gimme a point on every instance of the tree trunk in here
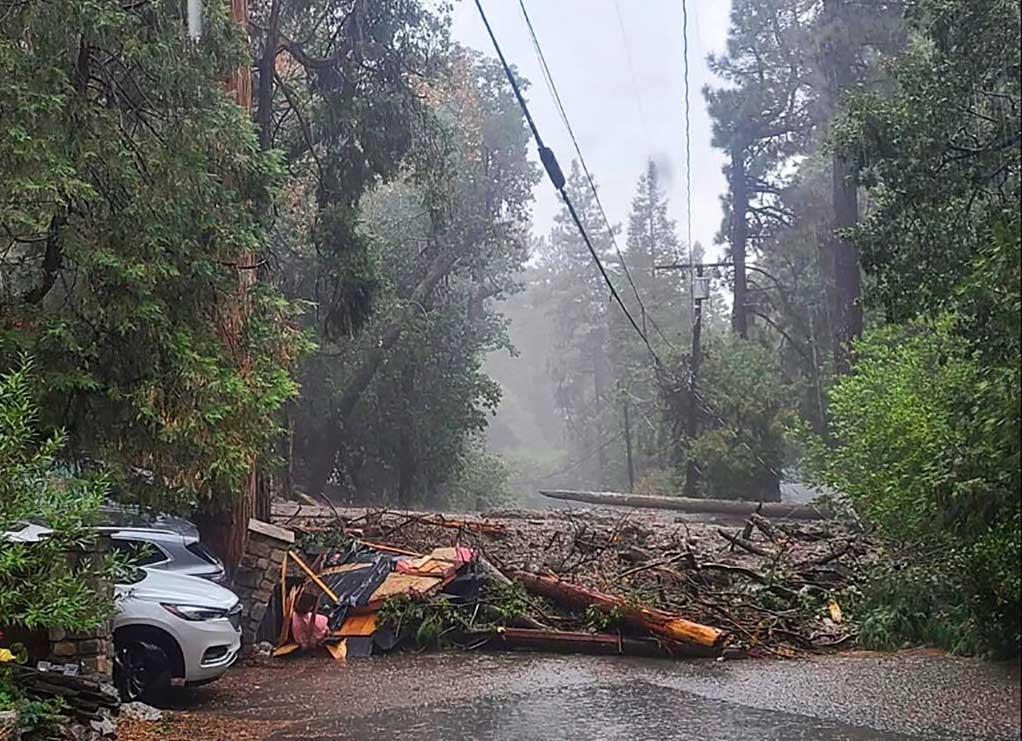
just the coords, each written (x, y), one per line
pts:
(224, 525)
(628, 447)
(664, 624)
(732, 507)
(739, 239)
(601, 455)
(846, 286)
(328, 438)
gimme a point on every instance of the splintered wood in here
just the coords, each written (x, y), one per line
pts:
(752, 585)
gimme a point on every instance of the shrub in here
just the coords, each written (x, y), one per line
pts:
(926, 445)
(742, 443)
(40, 587)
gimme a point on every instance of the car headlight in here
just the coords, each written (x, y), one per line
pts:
(194, 612)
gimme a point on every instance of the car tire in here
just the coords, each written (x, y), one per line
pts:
(142, 672)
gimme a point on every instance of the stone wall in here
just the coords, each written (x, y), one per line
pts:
(259, 574)
(92, 650)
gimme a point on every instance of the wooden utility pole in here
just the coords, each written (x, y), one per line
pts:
(692, 424)
(692, 408)
(628, 447)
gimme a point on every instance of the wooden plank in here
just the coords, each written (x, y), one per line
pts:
(397, 583)
(286, 649)
(271, 531)
(315, 578)
(338, 650)
(358, 625)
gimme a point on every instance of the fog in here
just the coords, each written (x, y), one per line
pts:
(619, 69)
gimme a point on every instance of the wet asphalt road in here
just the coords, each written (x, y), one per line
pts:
(441, 697)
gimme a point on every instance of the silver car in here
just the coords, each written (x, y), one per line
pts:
(168, 550)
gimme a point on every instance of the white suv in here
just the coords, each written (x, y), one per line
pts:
(171, 629)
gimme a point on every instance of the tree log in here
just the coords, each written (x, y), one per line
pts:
(672, 627)
(497, 576)
(737, 508)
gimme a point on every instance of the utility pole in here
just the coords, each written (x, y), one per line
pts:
(628, 446)
(692, 425)
(700, 292)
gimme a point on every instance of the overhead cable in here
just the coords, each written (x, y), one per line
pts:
(552, 86)
(553, 170)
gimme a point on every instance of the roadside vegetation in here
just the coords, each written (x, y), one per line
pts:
(334, 292)
(43, 584)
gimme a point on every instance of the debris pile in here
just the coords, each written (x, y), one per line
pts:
(593, 581)
(89, 703)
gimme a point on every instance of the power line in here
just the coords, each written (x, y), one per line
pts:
(688, 154)
(636, 89)
(552, 87)
(553, 170)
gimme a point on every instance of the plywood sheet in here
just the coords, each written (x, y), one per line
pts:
(358, 625)
(396, 583)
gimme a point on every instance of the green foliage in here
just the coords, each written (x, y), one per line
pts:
(435, 622)
(912, 605)
(601, 619)
(448, 250)
(128, 184)
(41, 584)
(743, 442)
(938, 148)
(659, 482)
(928, 448)
(481, 480)
(33, 715)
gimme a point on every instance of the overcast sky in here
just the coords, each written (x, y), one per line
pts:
(618, 65)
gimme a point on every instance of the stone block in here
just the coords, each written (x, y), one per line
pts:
(93, 647)
(247, 579)
(259, 547)
(64, 648)
(263, 563)
(97, 665)
(277, 555)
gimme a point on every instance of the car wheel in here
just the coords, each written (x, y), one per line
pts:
(141, 672)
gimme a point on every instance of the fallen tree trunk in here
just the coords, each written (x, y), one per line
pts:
(684, 632)
(497, 576)
(737, 508)
(560, 641)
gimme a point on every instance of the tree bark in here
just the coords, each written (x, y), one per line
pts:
(846, 287)
(224, 525)
(739, 239)
(628, 447)
(692, 636)
(736, 508)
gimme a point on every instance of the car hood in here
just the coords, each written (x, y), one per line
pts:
(178, 589)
